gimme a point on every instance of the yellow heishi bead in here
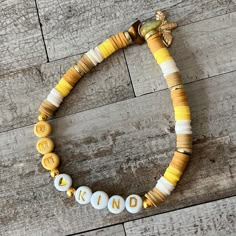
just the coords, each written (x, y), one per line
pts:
(42, 129)
(162, 55)
(54, 173)
(44, 145)
(146, 203)
(70, 192)
(50, 161)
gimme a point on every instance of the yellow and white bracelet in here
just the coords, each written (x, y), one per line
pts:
(157, 34)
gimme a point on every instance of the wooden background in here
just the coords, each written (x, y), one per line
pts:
(116, 130)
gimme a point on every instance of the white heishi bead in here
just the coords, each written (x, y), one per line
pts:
(183, 127)
(99, 200)
(133, 203)
(165, 186)
(116, 204)
(83, 195)
(90, 55)
(168, 67)
(98, 54)
(65, 185)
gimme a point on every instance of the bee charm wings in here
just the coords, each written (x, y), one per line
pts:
(165, 28)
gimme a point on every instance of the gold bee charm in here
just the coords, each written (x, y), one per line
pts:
(160, 25)
(165, 28)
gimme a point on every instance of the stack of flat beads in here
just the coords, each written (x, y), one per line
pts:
(99, 199)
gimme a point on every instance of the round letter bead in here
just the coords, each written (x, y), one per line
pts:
(99, 200)
(44, 145)
(42, 129)
(62, 182)
(116, 204)
(133, 203)
(83, 195)
(50, 161)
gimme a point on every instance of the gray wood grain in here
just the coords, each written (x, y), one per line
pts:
(120, 148)
(21, 43)
(116, 230)
(23, 91)
(72, 27)
(211, 219)
(201, 50)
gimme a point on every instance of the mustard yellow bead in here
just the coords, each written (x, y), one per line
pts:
(50, 161)
(45, 145)
(42, 129)
(54, 173)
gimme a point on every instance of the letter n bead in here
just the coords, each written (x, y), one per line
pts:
(116, 204)
(133, 203)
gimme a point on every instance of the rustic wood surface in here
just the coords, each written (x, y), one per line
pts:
(21, 42)
(108, 136)
(214, 218)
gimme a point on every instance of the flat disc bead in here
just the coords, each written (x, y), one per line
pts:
(42, 129)
(133, 203)
(116, 204)
(62, 182)
(99, 200)
(83, 195)
(45, 145)
(50, 161)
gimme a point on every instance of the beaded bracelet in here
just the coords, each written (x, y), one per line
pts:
(157, 34)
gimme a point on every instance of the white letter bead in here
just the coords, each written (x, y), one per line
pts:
(83, 195)
(99, 200)
(62, 182)
(133, 203)
(116, 204)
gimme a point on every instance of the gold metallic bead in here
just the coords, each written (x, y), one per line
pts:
(146, 203)
(179, 86)
(128, 37)
(150, 33)
(78, 70)
(134, 33)
(54, 173)
(184, 150)
(42, 117)
(70, 192)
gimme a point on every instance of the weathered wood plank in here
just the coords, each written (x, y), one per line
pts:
(116, 230)
(215, 218)
(72, 27)
(201, 50)
(22, 92)
(121, 148)
(21, 43)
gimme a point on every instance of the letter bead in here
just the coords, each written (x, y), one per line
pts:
(62, 182)
(42, 129)
(44, 145)
(116, 204)
(133, 203)
(83, 195)
(50, 161)
(99, 200)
